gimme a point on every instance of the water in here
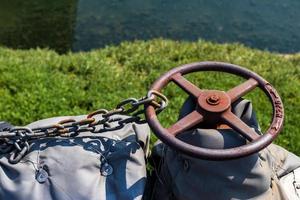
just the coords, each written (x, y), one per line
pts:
(82, 25)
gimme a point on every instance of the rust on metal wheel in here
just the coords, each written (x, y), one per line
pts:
(216, 106)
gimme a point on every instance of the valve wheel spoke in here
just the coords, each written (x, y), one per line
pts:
(238, 125)
(186, 123)
(242, 89)
(186, 85)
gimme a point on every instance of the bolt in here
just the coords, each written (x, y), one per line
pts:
(213, 99)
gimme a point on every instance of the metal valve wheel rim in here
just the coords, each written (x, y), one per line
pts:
(218, 154)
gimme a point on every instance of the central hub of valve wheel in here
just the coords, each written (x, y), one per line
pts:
(214, 101)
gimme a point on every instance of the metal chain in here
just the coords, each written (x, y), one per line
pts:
(17, 141)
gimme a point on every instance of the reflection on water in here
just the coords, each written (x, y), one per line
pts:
(32, 23)
(87, 24)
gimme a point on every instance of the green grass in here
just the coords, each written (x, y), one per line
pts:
(38, 84)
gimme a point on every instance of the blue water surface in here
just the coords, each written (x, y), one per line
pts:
(82, 25)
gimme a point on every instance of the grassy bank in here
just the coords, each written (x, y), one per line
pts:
(37, 84)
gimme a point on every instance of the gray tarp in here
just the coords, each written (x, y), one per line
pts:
(254, 177)
(73, 166)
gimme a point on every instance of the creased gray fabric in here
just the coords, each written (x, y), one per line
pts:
(73, 166)
(253, 177)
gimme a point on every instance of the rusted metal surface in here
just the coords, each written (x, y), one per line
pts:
(215, 107)
(240, 90)
(187, 122)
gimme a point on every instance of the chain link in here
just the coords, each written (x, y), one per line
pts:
(17, 140)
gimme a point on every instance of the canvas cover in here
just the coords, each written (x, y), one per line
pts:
(92, 166)
(111, 165)
(181, 177)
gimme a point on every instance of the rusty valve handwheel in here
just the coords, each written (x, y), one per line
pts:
(214, 105)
